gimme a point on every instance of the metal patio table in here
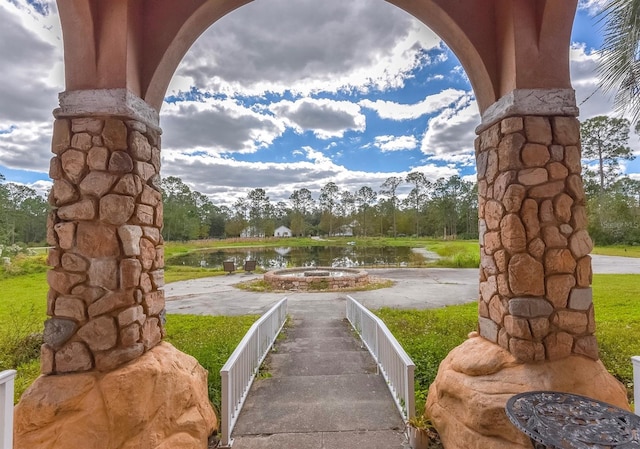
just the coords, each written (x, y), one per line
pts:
(556, 420)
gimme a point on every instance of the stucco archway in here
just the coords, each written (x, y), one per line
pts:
(106, 300)
(138, 45)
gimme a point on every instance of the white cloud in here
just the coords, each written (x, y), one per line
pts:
(225, 180)
(26, 146)
(453, 130)
(461, 159)
(395, 143)
(593, 7)
(325, 118)
(41, 187)
(431, 104)
(307, 46)
(317, 157)
(591, 100)
(217, 126)
(32, 76)
(265, 49)
(31, 68)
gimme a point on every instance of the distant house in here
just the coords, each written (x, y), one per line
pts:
(282, 231)
(251, 231)
(344, 231)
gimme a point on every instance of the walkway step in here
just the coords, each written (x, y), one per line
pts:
(321, 364)
(372, 439)
(323, 391)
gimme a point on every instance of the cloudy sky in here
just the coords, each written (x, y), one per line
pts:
(350, 92)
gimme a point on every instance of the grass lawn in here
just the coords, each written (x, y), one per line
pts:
(23, 307)
(211, 340)
(617, 307)
(426, 335)
(617, 250)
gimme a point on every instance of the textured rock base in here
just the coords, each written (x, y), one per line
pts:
(158, 401)
(466, 402)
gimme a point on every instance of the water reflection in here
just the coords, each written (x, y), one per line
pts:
(308, 256)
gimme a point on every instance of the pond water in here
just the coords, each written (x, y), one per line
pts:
(308, 256)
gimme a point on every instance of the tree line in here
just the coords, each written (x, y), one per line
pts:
(23, 214)
(613, 199)
(446, 207)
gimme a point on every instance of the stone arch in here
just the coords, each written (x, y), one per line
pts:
(138, 45)
(535, 309)
(528, 145)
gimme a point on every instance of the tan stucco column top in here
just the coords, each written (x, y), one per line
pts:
(521, 102)
(119, 102)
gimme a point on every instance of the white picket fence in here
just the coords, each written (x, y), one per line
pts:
(6, 408)
(243, 365)
(394, 363)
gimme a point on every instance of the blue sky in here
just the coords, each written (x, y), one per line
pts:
(349, 92)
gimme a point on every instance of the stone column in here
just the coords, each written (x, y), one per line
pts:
(105, 302)
(535, 271)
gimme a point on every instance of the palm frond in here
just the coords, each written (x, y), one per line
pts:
(619, 67)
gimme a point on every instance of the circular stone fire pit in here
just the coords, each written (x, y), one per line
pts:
(318, 278)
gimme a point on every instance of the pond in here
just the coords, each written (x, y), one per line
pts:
(306, 256)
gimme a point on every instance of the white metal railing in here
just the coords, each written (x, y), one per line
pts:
(6, 408)
(635, 360)
(242, 366)
(394, 363)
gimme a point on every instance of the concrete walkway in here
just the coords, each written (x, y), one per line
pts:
(323, 392)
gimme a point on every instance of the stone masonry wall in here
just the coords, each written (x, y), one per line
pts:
(535, 300)
(105, 302)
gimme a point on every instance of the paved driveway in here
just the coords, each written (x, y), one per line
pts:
(414, 288)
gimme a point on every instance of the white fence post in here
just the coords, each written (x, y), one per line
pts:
(6, 408)
(636, 383)
(241, 368)
(392, 361)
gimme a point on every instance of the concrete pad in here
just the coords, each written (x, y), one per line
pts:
(615, 264)
(379, 439)
(280, 441)
(365, 440)
(318, 404)
(322, 381)
(321, 364)
(326, 344)
(414, 288)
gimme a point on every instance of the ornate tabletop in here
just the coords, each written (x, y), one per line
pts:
(556, 420)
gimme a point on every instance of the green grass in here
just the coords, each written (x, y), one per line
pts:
(23, 307)
(428, 336)
(618, 250)
(456, 253)
(174, 273)
(23, 312)
(617, 312)
(261, 286)
(211, 340)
